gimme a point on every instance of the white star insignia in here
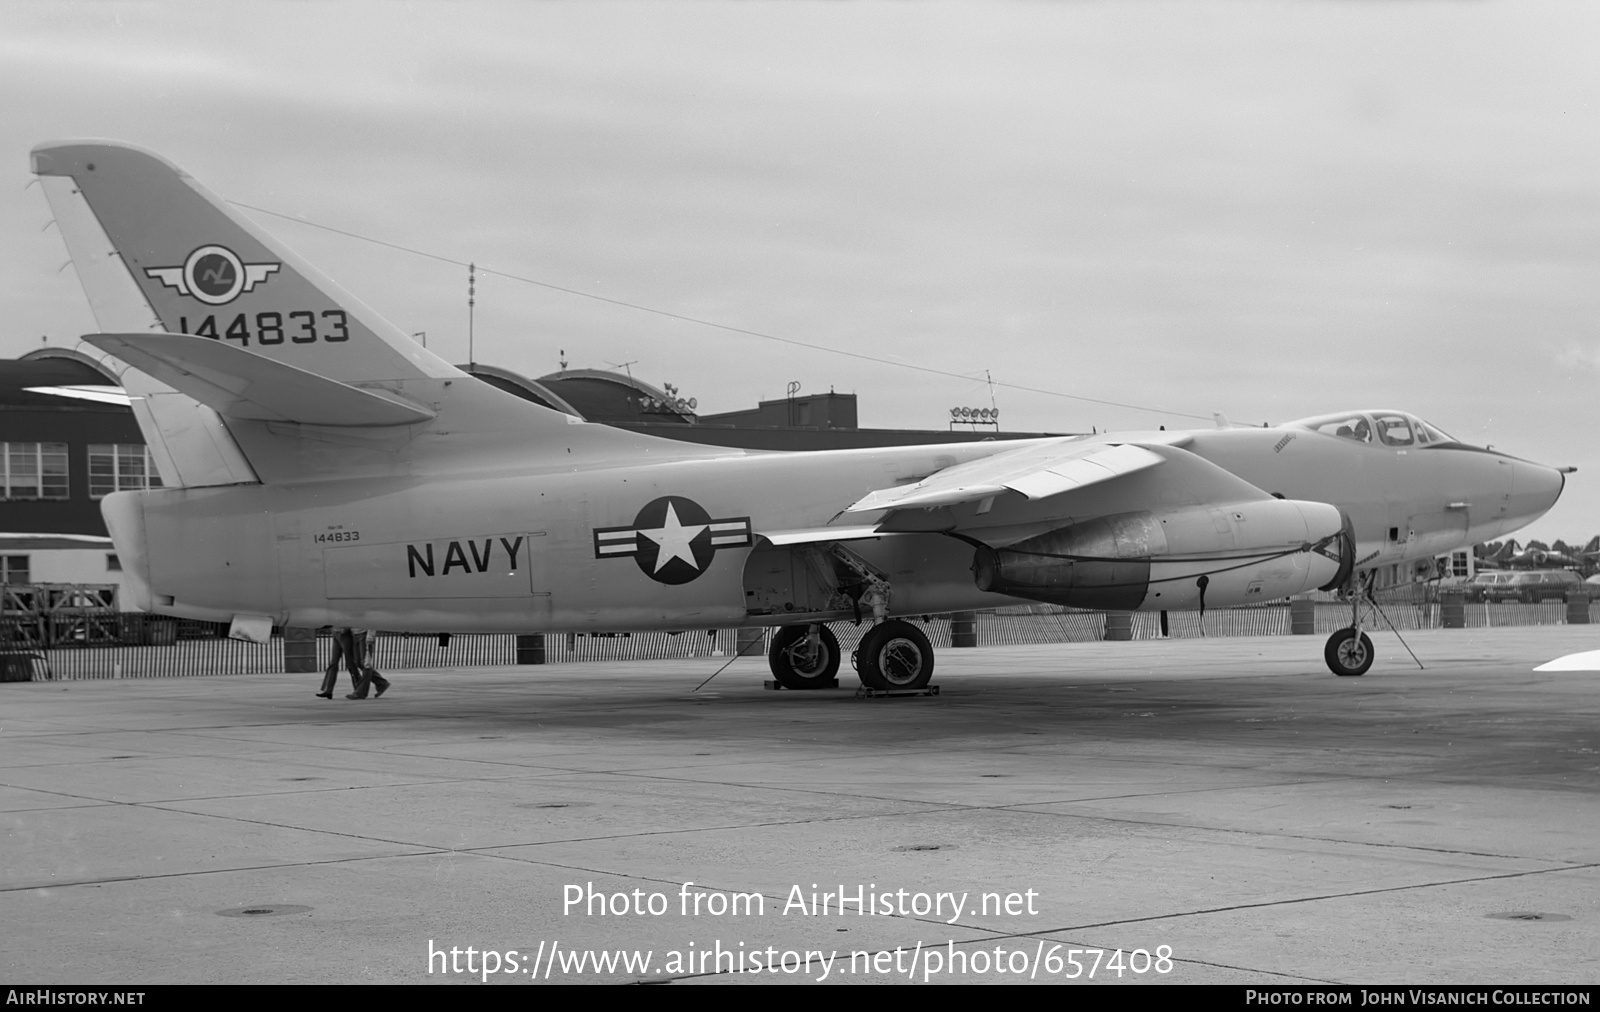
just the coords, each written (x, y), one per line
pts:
(673, 540)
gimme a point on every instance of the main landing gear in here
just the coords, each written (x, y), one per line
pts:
(804, 657)
(892, 655)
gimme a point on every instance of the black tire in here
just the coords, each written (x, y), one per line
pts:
(1348, 653)
(795, 666)
(894, 655)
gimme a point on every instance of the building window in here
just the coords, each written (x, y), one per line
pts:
(14, 569)
(113, 564)
(34, 470)
(120, 467)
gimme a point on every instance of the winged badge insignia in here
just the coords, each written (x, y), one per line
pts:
(213, 274)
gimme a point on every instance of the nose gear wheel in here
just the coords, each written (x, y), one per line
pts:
(1349, 652)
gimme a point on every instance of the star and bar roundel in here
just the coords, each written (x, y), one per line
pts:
(673, 539)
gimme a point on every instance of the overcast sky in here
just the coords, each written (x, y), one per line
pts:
(1270, 210)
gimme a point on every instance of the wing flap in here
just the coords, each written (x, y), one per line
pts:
(814, 535)
(237, 384)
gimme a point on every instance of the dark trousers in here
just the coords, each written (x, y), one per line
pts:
(369, 677)
(346, 648)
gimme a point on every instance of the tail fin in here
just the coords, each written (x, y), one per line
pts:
(296, 380)
(190, 444)
(205, 270)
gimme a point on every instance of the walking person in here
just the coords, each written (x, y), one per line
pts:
(343, 648)
(365, 641)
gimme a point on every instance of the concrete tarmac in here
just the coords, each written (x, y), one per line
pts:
(1227, 802)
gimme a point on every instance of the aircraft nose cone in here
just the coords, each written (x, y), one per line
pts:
(1534, 490)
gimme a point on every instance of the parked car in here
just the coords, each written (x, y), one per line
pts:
(1480, 584)
(1535, 585)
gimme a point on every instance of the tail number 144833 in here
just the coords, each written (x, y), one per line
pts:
(301, 326)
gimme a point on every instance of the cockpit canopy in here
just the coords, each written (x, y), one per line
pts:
(1381, 428)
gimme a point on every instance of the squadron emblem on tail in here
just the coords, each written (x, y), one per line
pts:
(213, 274)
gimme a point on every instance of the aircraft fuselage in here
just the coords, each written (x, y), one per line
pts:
(669, 545)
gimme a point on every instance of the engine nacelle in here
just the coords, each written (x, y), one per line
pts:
(1193, 557)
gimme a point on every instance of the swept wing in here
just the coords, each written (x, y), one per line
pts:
(1037, 472)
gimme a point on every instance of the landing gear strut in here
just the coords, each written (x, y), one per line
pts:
(1349, 651)
(894, 655)
(804, 657)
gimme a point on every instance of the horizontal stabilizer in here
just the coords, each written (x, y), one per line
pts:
(238, 384)
(1036, 471)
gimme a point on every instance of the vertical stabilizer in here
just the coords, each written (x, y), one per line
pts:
(206, 270)
(190, 444)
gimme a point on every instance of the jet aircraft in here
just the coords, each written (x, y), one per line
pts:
(326, 469)
(1511, 557)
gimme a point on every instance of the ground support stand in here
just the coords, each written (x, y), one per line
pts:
(866, 693)
(832, 683)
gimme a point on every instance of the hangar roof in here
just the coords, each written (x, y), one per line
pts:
(519, 385)
(602, 396)
(592, 394)
(23, 379)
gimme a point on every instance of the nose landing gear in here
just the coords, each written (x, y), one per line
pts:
(1349, 651)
